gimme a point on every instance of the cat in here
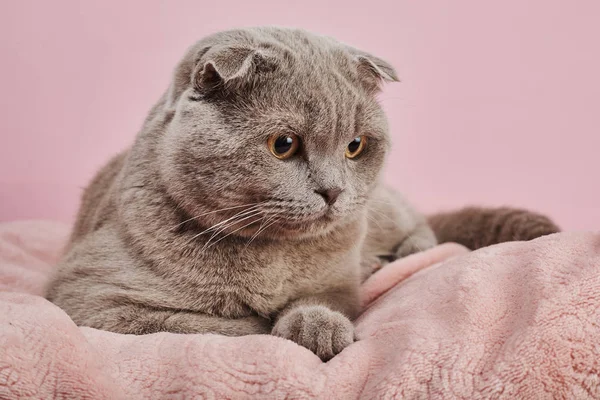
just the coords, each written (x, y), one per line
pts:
(251, 201)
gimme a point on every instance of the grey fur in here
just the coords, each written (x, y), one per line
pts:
(143, 257)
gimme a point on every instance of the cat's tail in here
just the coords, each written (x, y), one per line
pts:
(476, 227)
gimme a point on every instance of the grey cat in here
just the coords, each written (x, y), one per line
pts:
(251, 201)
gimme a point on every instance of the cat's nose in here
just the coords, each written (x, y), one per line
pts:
(329, 195)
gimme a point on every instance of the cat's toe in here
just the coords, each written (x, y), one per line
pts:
(321, 330)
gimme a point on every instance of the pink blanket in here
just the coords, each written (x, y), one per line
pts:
(518, 320)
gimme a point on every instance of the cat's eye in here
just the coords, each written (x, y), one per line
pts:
(356, 146)
(283, 146)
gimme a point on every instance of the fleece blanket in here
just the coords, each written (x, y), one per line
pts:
(513, 321)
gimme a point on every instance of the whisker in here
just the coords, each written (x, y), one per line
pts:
(370, 218)
(212, 212)
(231, 233)
(382, 214)
(223, 228)
(239, 214)
(264, 219)
(415, 243)
(270, 221)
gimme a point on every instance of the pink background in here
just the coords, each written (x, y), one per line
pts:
(499, 104)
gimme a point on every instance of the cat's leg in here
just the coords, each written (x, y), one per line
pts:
(139, 320)
(395, 228)
(321, 323)
(419, 239)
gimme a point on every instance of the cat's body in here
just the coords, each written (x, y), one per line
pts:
(105, 283)
(298, 234)
(251, 201)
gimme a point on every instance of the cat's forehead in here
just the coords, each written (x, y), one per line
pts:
(324, 107)
(308, 83)
(316, 114)
(316, 89)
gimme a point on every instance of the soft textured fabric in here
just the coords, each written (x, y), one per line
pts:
(517, 320)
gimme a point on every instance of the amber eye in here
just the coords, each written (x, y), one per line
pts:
(356, 146)
(283, 146)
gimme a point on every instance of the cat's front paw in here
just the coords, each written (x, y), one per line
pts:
(421, 240)
(319, 329)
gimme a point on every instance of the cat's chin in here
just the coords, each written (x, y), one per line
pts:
(304, 229)
(300, 233)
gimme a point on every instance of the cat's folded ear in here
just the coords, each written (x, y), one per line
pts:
(373, 71)
(212, 69)
(230, 68)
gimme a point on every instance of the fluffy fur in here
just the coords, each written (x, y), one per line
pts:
(199, 228)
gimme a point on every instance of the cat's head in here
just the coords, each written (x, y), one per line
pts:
(279, 127)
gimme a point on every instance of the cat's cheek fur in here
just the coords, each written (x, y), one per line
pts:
(323, 331)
